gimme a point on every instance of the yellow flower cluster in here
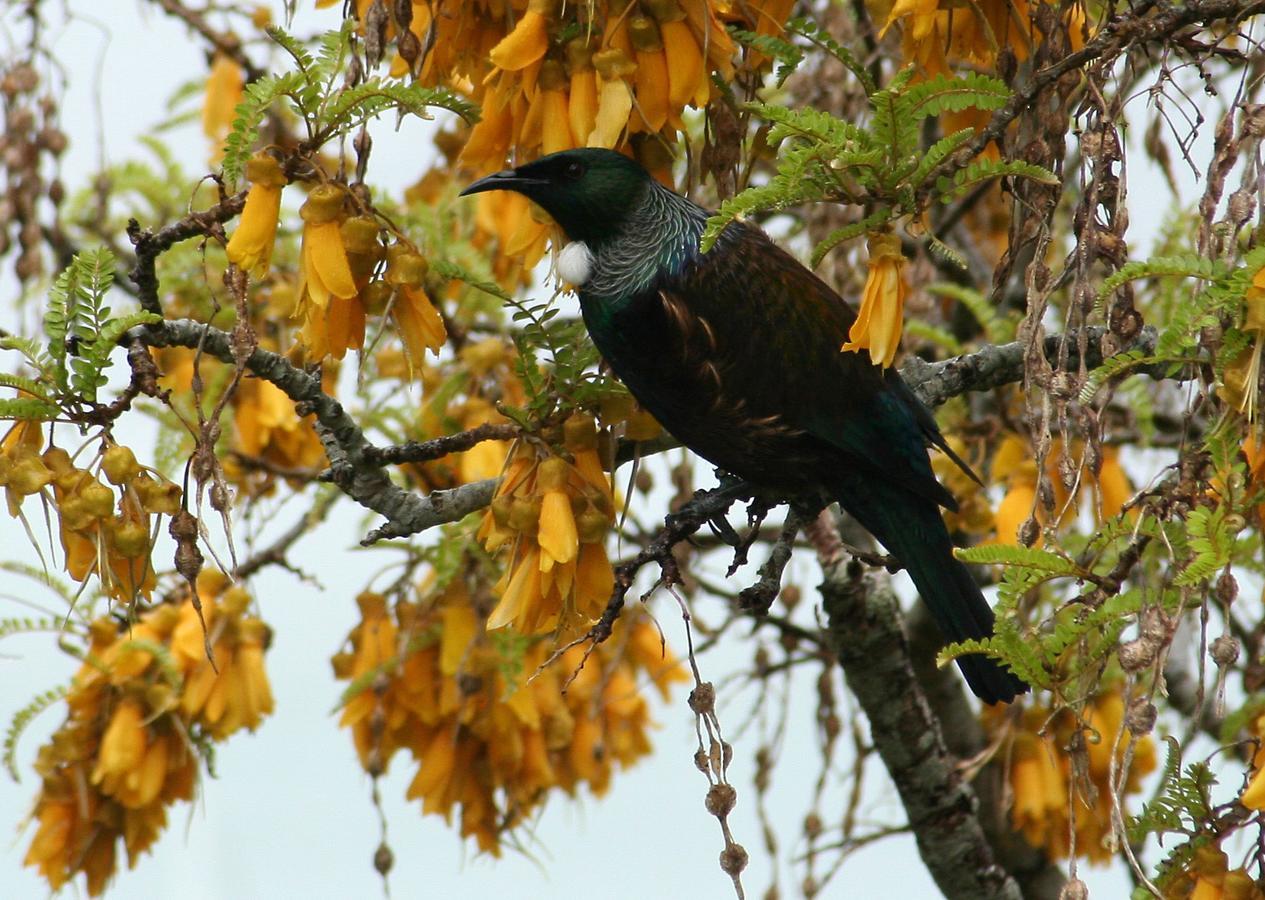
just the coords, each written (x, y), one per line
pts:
(1013, 465)
(624, 69)
(1034, 749)
(341, 276)
(879, 323)
(1209, 877)
(550, 76)
(234, 693)
(485, 371)
(251, 245)
(553, 514)
(267, 429)
(491, 735)
(101, 534)
(138, 708)
(937, 33)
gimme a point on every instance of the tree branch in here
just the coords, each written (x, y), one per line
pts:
(149, 246)
(1037, 876)
(1129, 30)
(344, 442)
(864, 630)
(275, 553)
(1001, 364)
(436, 448)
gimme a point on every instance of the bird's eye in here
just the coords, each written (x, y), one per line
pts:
(574, 170)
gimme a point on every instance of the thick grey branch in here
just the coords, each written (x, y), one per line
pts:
(864, 630)
(1000, 364)
(345, 444)
(1038, 877)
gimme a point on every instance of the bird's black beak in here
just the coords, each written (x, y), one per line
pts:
(506, 180)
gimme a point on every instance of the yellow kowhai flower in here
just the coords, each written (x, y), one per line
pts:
(22, 469)
(342, 325)
(520, 233)
(324, 270)
(529, 40)
(1042, 778)
(223, 93)
(250, 247)
(489, 142)
(621, 411)
(614, 96)
(420, 325)
(878, 325)
(688, 81)
(127, 548)
(490, 730)
(653, 90)
(1254, 453)
(582, 92)
(486, 459)
(552, 109)
(1254, 794)
(554, 514)
(234, 693)
(771, 15)
(122, 747)
(375, 641)
(266, 428)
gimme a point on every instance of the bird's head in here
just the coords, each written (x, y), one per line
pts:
(589, 192)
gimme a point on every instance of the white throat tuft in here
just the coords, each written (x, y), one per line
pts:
(575, 263)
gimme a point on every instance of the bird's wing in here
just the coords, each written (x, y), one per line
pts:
(781, 329)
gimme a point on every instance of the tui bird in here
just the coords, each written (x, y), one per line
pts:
(737, 353)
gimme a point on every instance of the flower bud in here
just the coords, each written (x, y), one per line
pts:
(552, 474)
(98, 499)
(119, 464)
(57, 461)
(524, 515)
(323, 204)
(29, 476)
(579, 432)
(129, 539)
(375, 297)
(405, 267)
(360, 235)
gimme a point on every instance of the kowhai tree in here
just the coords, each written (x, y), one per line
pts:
(302, 331)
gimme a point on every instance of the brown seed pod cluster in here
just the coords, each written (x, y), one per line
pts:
(30, 147)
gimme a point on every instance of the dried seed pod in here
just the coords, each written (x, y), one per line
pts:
(1224, 651)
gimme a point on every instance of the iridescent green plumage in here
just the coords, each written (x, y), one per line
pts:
(737, 354)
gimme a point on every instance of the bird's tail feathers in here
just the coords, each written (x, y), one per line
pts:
(915, 534)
